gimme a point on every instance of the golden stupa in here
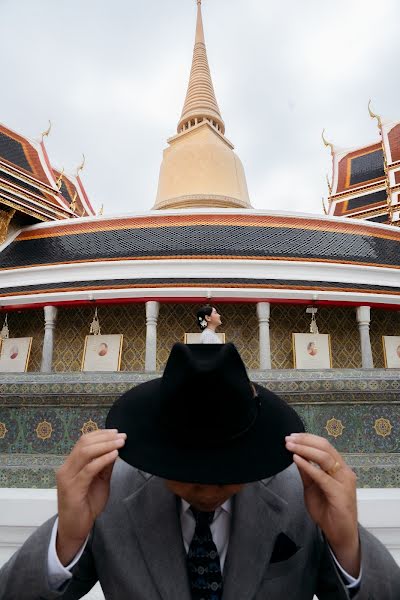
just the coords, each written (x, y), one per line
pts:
(199, 167)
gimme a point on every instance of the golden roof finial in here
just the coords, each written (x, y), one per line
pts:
(72, 205)
(46, 133)
(373, 115)
(326, 143)
(80, 168)
(59, 180)
(101, 210)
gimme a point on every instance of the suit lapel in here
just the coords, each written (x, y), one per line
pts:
(155, 521)
(259, 515)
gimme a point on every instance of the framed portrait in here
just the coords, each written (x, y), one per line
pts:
(102, 353)
(14, 355)
(195, 338)
(312, 351)
(391, 351)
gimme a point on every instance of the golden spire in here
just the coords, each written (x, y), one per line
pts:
(200, 103)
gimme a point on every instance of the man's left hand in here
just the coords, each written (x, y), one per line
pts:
(330, 495)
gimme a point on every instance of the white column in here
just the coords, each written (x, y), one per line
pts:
(152, 309)
(263, 312)
(363, 320)
(50, 315)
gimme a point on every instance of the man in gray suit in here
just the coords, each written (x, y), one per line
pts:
(224, 514)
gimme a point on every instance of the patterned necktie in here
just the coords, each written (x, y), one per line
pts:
(203, 560)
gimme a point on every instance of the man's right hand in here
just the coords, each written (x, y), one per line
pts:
(83, 486)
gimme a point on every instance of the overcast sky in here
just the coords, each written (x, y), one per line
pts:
(112, 77)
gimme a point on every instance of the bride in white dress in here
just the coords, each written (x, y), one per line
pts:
(208, 320)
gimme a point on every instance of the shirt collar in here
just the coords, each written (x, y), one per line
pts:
(226, 506)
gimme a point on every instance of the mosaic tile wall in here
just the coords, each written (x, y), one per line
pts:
(41, 417)
(239, 324)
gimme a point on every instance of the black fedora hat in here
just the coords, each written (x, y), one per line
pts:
(203, 421)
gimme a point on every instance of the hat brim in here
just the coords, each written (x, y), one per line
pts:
(258, 454)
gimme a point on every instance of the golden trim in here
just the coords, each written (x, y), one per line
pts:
(84, 352)
(383, 427)
(384, 351)
(3, 430)
(44, 430)
(28, 354)
(89, 426)
(120, 351)
(5, 220)
(334, 427)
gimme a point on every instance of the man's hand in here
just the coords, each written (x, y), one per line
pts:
(330, 495)
(83, 485)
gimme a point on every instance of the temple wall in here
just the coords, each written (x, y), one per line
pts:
(383, 322)
(73, 325)
(239, 322)
(240, 325)
(29, 323)
(339, 322)
(43, 414)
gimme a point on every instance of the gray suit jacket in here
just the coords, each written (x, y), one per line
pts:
(137, 553)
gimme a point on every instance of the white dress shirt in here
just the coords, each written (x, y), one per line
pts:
(220, 531)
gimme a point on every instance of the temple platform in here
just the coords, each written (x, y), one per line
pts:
(42, 416)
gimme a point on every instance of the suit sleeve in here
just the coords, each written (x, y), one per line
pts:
(380, 574)
(25, 577)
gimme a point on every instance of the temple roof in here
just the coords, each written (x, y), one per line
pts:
(233, 250)
(73, 192)
(28, 182)
(366, 180)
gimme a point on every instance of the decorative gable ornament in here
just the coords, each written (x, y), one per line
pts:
(313, 325)
(5, 332)
(95, 325)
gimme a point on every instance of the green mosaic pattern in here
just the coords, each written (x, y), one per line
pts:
(42, 416)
